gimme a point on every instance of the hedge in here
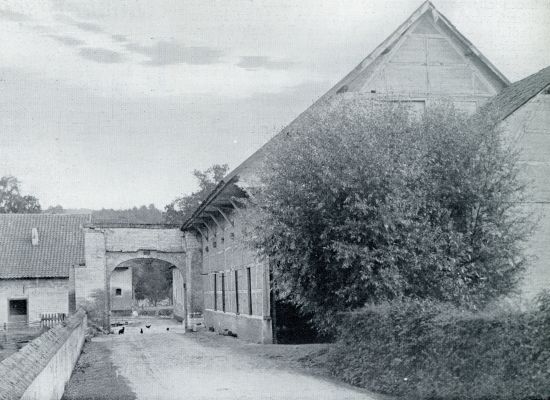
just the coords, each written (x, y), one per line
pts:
(425, 350)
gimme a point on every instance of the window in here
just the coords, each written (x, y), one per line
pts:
(249, 281)
(223, 292)
(118, 292)
(236, 291)
(416, 108)
(215, 292)
(17, 311)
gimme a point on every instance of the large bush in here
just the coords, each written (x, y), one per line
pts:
(425, 350)
(361, 202)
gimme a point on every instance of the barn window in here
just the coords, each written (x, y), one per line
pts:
(118, 292)
(223, 292)
(416, 108)
(249, 282)
(236, 291)
(215, 292)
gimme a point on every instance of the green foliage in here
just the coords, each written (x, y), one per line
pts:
(361, 202)
(96, 308)
(152, 280)
(11, 199)
(182, 207)
(426, 350)
(142, 215)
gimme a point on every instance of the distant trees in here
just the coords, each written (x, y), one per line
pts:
(142, 215)
(363, 203)
(152, 280)
(182, 207)
(58, 209)
(11, 199)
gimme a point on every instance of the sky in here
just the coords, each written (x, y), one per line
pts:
(113, 104)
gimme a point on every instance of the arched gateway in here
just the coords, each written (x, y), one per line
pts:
(108, 245)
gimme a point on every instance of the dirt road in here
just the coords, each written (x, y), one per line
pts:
(160, 364)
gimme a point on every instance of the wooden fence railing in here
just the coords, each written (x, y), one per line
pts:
(49, 320)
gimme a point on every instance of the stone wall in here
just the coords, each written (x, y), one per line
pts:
(529, 129)
(42, 295)
(178, 294)
(42, 368)
(105, 248)
(121, 279)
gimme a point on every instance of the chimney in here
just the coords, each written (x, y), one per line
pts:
(34, 236)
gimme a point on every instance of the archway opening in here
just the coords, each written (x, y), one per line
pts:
(145, 287)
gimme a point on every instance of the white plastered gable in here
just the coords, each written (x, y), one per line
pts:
(427, 58)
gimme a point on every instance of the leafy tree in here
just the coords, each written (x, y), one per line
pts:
(58, 209)
(182, 207)
(152, 281)
(142, 215)
(11, 199)
(95, 308)
(362, 202)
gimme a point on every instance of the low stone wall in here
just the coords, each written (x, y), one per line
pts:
(250, 328)
(42, 368)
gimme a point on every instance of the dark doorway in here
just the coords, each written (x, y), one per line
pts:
(18, 311)
(293, 327)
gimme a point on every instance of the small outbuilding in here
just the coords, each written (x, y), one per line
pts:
(38, 253)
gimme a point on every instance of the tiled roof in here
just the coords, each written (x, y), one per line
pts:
(518, 93)
(60, 245)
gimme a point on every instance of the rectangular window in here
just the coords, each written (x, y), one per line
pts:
(223, 292)
(118, 292)
(215, 292)
(236, 291)
(249, 282)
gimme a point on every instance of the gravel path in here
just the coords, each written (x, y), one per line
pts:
(160, 364)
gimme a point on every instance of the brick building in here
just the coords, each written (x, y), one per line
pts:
(425, 59)
(37, 255)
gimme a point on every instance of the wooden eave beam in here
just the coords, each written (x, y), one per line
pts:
(225, 216)
(208, 230)
(235, 206)
(201, 232)
(209, 213)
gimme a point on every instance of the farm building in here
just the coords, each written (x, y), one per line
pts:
(524, 110)
(37, 255)
(424, 60)
(122, 292)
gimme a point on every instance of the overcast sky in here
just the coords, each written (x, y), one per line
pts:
(114, 103)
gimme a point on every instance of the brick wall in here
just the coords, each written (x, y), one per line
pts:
(43, 296)
(235, 282)
(42, 368)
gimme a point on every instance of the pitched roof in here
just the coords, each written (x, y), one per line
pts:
(518, 93)
(60, 245)
(363, 69)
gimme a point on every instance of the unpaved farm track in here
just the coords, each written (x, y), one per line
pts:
(160, 364)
